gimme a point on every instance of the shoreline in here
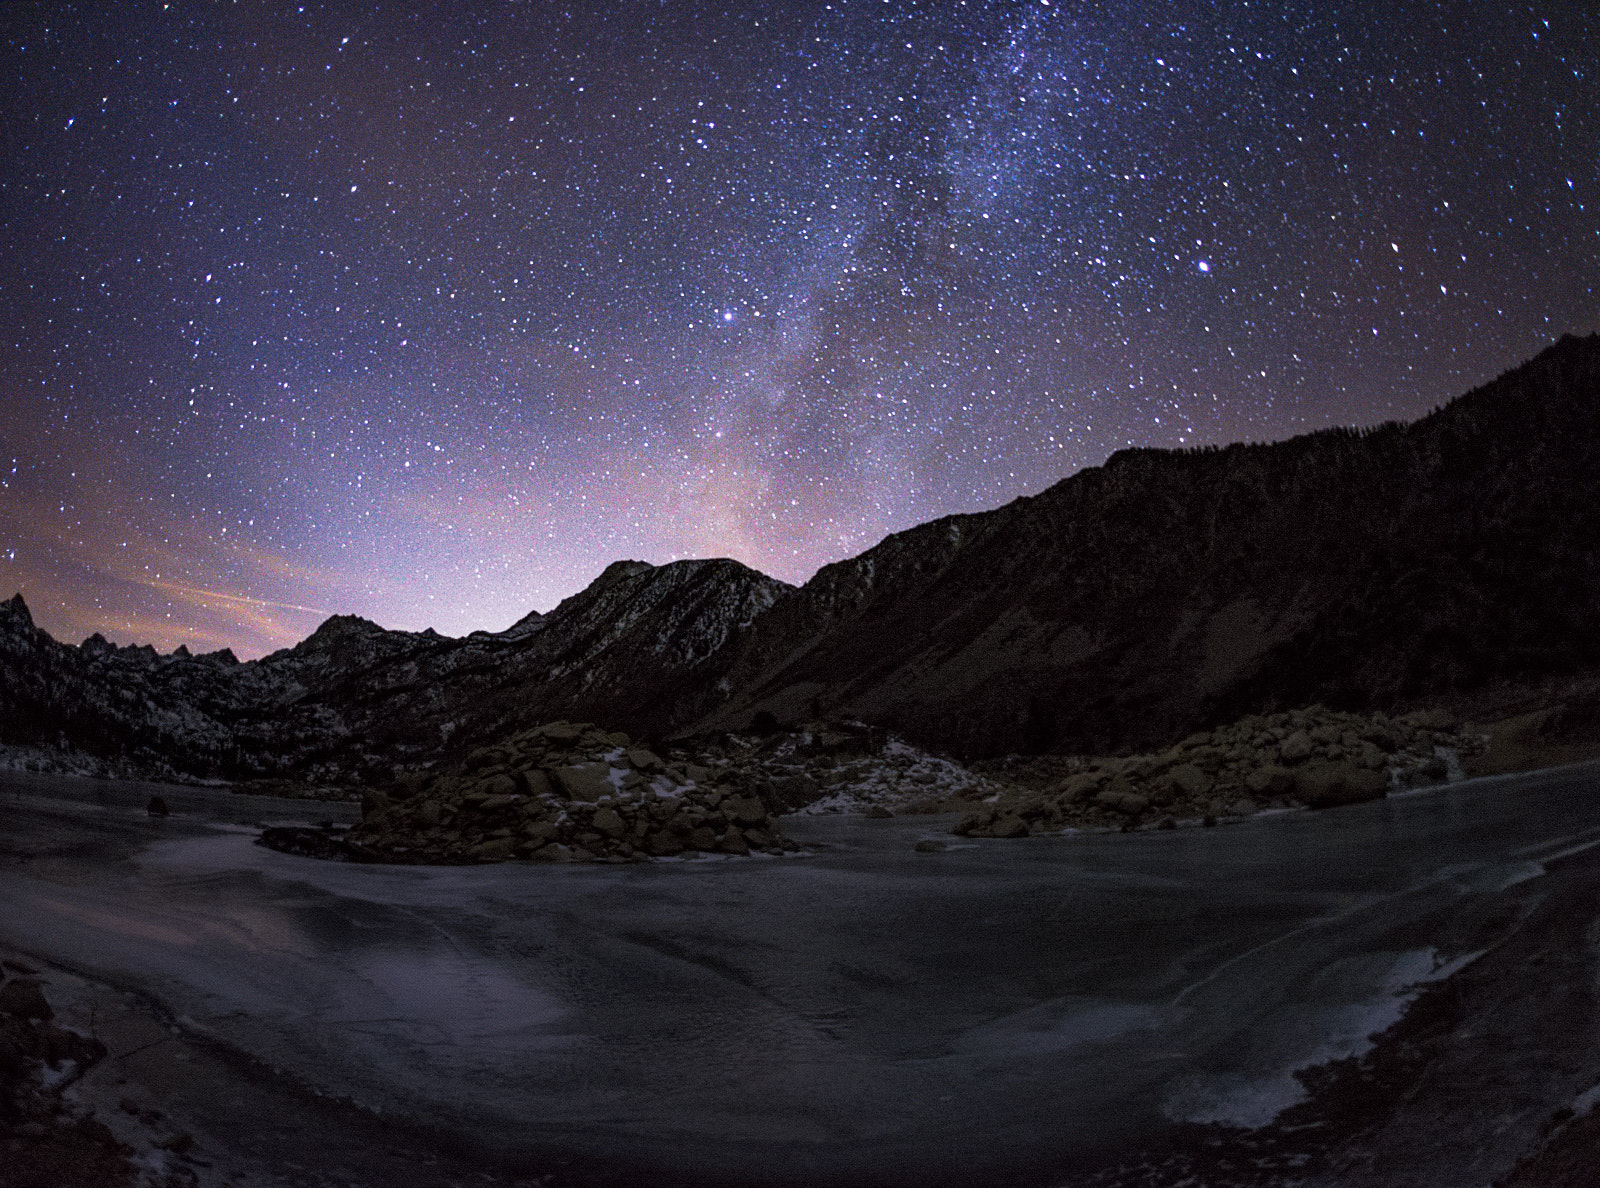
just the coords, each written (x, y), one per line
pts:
(168, 1094)
(1450, 1085)
(1487, 1059)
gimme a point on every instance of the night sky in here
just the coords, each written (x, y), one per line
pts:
(427, 312)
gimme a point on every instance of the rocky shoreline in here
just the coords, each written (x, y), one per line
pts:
(575, 792)
(1490, 1077)
(1306, 758)
(560, 792)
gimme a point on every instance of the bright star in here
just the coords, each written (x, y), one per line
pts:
(1204, 266)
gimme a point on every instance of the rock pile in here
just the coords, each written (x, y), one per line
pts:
(1315, 758)
(562, 792)
(846, 767)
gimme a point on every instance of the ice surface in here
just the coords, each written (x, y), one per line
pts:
(867, 1007)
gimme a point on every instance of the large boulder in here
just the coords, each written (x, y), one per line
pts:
(1189, 781)
(497, 849)
(1010, 825)
(1296, 748)
(584, 781)
(1131, 803)
(745, 810)
(609, 822)
(1270, 780)
(1325, 785)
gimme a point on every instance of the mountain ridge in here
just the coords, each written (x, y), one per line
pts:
(1272, 532)
(1126, 604)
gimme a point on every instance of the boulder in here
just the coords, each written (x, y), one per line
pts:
(498, 785)
(1189, 780)
(1082, 786)
(1131, 803)
(609, 822)
(795, 791)
(745, 810)
(1296, 748)
(535, 783)
(1120, 783)
(1009, 825)
(967, 824)
(584, 781)
(1270, 780)
(702, 838)
(663, 844)
(497, 849)
(1325, 785)
(644, 760)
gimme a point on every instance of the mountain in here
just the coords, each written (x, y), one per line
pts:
(1169, 590)
(354, 700)
(1126, 605)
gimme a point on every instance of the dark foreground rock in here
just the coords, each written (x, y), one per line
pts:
(44, 1143)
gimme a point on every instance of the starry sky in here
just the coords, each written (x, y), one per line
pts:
(428, 311)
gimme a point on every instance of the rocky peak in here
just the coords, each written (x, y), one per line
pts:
(523, 627)
(618, 570)
(17, 610)
(341, 626)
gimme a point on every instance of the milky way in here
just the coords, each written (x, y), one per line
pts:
(427, 312)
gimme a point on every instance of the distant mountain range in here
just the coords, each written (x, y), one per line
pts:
(1124, 606)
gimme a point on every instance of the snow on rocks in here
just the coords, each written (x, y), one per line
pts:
(565, 791)
(1311, 758)
(560, 792)
(849, 767)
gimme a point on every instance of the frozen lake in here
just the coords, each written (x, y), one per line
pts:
(1002, 1011)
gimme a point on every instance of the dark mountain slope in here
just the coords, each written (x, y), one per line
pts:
(1167, 589)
